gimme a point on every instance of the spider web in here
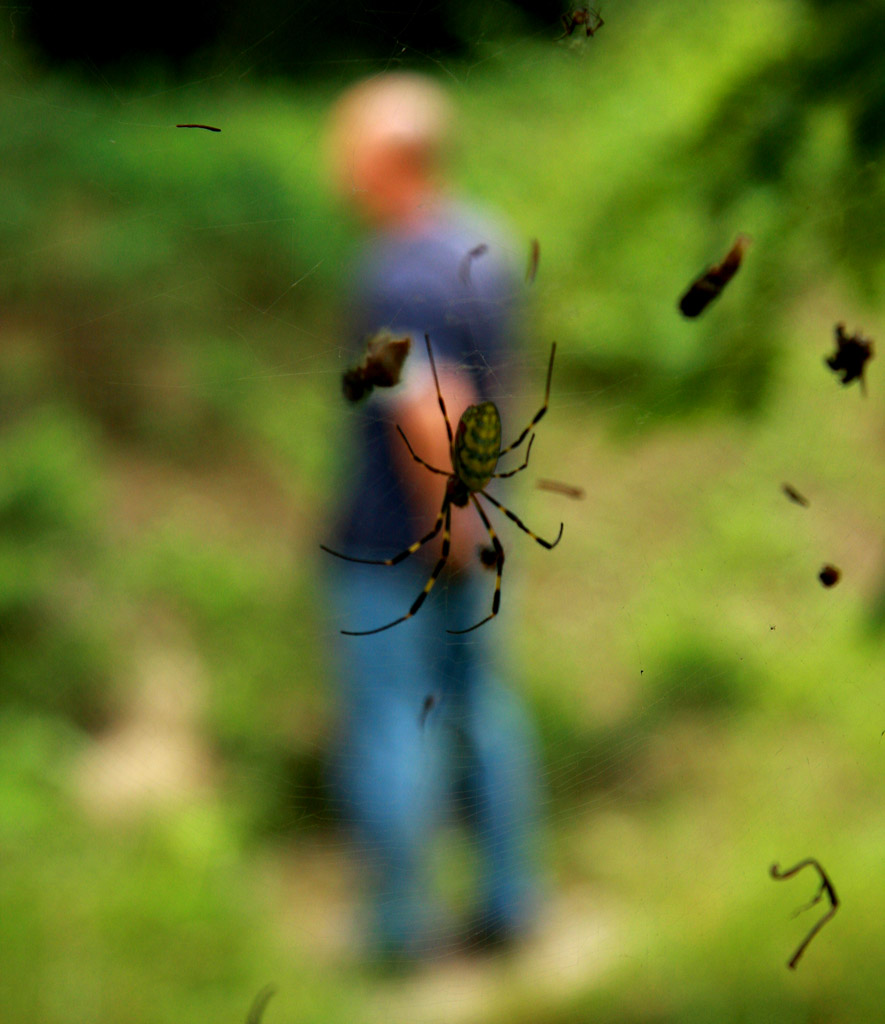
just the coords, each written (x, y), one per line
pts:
(172, 339)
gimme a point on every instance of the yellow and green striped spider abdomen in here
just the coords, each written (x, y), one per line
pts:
(477, 445)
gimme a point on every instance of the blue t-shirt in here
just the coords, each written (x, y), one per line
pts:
(421, 284)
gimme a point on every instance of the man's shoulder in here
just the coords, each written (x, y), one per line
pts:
(461, 240)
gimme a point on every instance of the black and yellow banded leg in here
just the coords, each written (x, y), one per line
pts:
(418, 458)
(544, 543)
(539, 413)
(499, 567)
(445, 513)
(439, 396)
(519, 469)
(410, 550)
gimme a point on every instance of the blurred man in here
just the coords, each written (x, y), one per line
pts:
(424, 712)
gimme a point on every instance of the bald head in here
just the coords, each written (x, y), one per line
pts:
(386, 144)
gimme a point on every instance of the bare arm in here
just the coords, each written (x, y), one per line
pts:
(417, 413)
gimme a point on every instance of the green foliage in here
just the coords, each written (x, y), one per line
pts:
(54, 657)
(36, 751)
(155, 251)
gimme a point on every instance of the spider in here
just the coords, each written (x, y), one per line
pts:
(475, 449)
(582, 16)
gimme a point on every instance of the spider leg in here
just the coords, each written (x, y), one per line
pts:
(499, 565)
(544, 543)
(446, 512)
(439, 396)
(568, 24)
(519, 469)
(410, 550)
(418, 458)
(539, 413)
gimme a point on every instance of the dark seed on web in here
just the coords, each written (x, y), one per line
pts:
(829, 575)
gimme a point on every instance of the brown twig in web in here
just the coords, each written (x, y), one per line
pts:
(826, 886)
(259, 1004)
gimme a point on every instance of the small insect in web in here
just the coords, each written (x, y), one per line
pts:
(207, 127)
(557, 487)
(829, 575)
(534, 258)
(710, 284)
(826, 886)
(794, 495)
(259, 1005)
(381, 365)
(430, 702)
(464, 266)
(475, 448)
(586, 16)
(852, 354)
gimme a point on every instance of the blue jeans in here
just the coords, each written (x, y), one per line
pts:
(396, 774)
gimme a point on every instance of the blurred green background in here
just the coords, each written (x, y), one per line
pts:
(171, 428)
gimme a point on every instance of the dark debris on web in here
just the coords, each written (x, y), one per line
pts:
(849, 361)
(380, 367)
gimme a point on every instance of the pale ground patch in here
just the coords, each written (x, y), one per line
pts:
(574, 944)
(154, 756)
(313, 893)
